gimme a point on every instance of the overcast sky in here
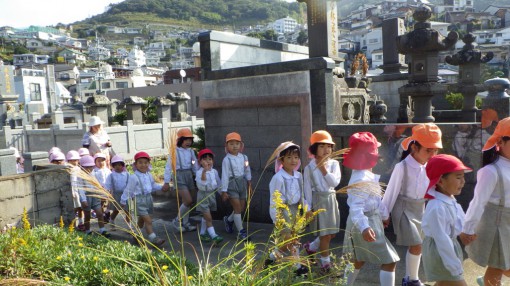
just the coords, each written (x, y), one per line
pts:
(23, 13)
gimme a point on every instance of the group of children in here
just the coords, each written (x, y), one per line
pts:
(420, 200)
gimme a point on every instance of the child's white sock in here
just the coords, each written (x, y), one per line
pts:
(151, 236)
(412, 265)
(351, 275)
(211, 232)
(386, 278)
(203, 227)
(314, 246)
(80, 220)
(183, 211)
(102, 229)
(238, 221)
(231, 217)
(325, 260)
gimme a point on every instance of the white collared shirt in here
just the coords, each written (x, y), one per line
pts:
(237, 166)
(442, 220)
(314, 181)
(416, 182)
(486, 192)
(117, 182)
(139, 184)
(291, 188)
(186, 160)
(212, 180)
(101, 174)
(361, 202)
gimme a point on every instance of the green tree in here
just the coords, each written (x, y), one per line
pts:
(270, 35)
(102, 30)
(19, 50)
(302, 37)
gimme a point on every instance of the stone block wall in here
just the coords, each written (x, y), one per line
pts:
(46, 195)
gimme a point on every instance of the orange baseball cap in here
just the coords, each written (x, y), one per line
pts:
(321, 136)
(233, 136)
(488, 116)
(184, 132)
(427, 134)
(503, 129)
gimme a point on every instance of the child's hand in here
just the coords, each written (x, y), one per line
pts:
(467, 238)
(84, 204)
(166, 187)
(386, 222)
(224, 196)
(369, 234)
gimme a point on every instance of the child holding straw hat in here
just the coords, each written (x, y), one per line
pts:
(364, 232)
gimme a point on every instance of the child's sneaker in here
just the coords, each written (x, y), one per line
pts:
(93, 214)
(188, 227)
(325, 269)
(105, 234)
(157, 241)
(243, 236)
(106, 217)
(229, 225)
(480, 281)
(217, 239)
(177, 225)
(309, 252)
(205, 238)
(407, 282)
(301, 271)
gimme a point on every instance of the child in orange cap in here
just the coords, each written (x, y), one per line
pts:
(364, 232)
(404, 196)
(235, 182)
(321, 176)
(139, 189)
(208, 183)
(487, 225)
(187, 166)
(443, 220)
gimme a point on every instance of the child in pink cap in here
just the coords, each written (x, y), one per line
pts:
(73, 160)
(101, 172)
(443, 220)
(364, 232)
(116, 182)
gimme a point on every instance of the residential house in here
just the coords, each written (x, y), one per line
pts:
(20, 60)
(132, 30)
(503, 37)
(71, 56)
(454, 5)
(136, 58)
(115, 30)
(485, 36)
(66, 74)
(504, 15)
(30, 84)
(34, 44)
(139, 41)
(285, 25)
(6, 31)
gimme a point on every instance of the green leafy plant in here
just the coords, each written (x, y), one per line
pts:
(456, 100)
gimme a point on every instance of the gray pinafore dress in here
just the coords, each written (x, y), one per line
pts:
(237, 186)
(432, 262)
(492, 246)
(327, 222)
(184, 176)
(406, 216)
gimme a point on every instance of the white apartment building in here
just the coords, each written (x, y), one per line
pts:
(285, 25)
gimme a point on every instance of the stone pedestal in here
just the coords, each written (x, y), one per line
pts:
(98, 106)
(134, 108)
(57, 117)
(34, 158)
(393, 61)
(7, 162)
(163, 107)
(180, 107)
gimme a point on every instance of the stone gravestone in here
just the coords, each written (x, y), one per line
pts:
(423, 45)
(469, 60)
(134, 107)
(393, 61)
(322, 28)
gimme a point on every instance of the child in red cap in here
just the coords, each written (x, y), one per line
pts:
(208, 183)
(321, 176)
(186, 168)
(364, 232)
(139, 189)
(487, 225)
(235, 183)
(404, 196)
(443, 220)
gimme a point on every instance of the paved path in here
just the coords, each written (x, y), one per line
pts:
(260, 233)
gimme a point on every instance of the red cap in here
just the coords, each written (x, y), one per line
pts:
(363, 154)
(203, 152)
(442, 164)
(142, 155)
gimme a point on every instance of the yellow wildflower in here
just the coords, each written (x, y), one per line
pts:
(80, 244)
(80, 238)
(71, 225)
(26, 223)
(82, 257)
(61, 223)
(59, 257)
(95, 258)
(164, 267)
(105, 271)
(190, 277)
(67, 278)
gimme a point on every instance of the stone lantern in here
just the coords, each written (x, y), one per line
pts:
(469, 60)
(180, 106)
(422, 45)
(134, 107)
(98, 106)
